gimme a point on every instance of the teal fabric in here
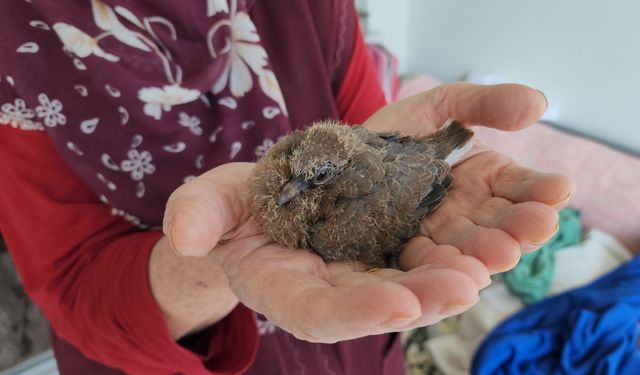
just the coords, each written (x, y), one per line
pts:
(531, 279)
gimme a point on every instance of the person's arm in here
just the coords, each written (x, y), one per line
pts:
(92, 274)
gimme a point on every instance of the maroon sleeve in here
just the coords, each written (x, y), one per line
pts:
(87, 270)
(360, 93)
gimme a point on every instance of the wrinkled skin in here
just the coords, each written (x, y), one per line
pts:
(496, 209)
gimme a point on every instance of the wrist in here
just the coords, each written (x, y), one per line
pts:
(192, 293)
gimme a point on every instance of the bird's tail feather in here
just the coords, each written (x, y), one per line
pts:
(451, 141)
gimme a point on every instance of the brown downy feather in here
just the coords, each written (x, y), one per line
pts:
(347, 193)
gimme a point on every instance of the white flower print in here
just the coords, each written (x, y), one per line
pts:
(29, 47)
(128, 217)
(145, 39)
(124, 115)
(261, 150)
(27, 125)
(246, 125)
(136, 140)
(39, 24)
(18, 115)
(216, 6)
(175, 147)
(18, 111)
(191, 122)
(10, 80)
(80, 43)
(105, 181)
(79, 64)
(139, 164)
(214, 136)
(158, 99)
(107, 20)
(235, 149)
(50, 111)
(245, 55)
(269, 85)
(270, 112)
(265, 327)
(140, 190)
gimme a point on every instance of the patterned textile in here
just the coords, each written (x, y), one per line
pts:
(132, 75)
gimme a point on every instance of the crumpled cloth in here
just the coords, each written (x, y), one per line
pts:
(531, 279)
(453, 342)
(590, 330)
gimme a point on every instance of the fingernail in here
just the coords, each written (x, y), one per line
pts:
(166, 223)
(555, 231)
(545, 99)
(528, 247)
(564, 200)
(399, 322)
(485, 284)
(175, 251)
(453, 308)
(171, 244)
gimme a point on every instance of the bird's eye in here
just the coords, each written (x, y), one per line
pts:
(323, 174)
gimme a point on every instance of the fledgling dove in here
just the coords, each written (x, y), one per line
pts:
(348, 193)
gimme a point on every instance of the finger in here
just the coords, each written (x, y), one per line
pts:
(341, 313)
(520, 184)
(530, 223)
(422, 251)
(441, 288)
(201, 212)
(441, 292)
(506, 107)
(498, 250)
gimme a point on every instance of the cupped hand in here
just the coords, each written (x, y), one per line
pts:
(495, 207)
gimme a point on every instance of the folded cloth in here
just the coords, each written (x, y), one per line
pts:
(531, 279)
(590, 330)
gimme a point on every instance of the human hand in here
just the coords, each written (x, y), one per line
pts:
(496, 207)
(443, 269)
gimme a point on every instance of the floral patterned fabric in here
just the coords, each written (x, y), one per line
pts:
(131, 75)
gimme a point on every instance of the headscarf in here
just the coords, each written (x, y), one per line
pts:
(141, 96)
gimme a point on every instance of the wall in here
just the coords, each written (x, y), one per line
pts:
(585, 54)
(388, 23)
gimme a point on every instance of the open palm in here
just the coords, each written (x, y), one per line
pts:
(495, 208)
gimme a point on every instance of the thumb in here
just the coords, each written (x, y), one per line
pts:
(506, 107)
(202, 212)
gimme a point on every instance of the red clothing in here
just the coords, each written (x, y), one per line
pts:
(87, 268)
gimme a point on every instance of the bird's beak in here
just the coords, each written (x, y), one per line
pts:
(292, 189)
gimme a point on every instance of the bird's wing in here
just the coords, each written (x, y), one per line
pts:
(422, 178)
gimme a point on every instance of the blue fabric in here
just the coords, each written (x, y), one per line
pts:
(590, 330)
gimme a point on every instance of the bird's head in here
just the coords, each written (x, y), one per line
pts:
(288, 185)
(316, 160)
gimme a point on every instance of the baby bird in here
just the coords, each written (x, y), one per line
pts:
(350, 194)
